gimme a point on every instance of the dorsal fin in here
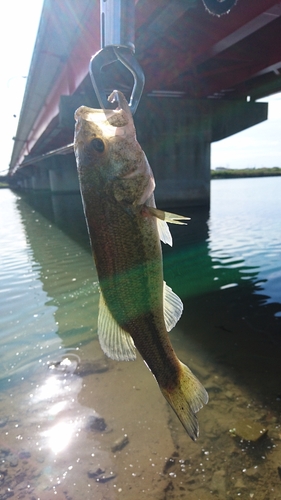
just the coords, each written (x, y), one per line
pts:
(115, 342)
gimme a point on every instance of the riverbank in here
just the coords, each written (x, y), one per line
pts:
(229, 173)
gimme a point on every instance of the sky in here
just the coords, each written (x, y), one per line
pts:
(20, 19)
(259, 146)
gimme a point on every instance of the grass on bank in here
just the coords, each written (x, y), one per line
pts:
(228, 173)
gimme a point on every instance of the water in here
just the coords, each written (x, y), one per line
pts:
(63, 404)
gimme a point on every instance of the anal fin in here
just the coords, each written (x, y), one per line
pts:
(115, 342)
(173, 307)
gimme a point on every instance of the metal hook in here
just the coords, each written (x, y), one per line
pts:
(109, 55)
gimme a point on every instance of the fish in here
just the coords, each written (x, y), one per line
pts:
(137, 308)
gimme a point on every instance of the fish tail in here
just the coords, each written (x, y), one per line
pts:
(186, 399)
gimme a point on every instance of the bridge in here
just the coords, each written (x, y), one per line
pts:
(203, 73)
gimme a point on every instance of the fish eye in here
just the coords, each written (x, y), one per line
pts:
(97, 144)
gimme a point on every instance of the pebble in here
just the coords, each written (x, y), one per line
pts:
(89, 367)
(230, 395)
(248, 430)
(169, 463)
(5, 450)
(239, 484)
(253, 472)
(3, 421)
(120, 443)
(100, 475)
(212, 430)
(64, 366)
(13, 460)
(96, 423)
(6, 493)
(3, 470)
(23, 454)
(106, 477)
(218, 483)
(95, 472)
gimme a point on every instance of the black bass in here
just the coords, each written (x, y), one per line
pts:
(136, 308)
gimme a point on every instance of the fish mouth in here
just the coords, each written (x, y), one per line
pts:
(107, 123)
(121, 115)
(104, 118)
(122, 103)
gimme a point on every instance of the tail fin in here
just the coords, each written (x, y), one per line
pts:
(186, 399)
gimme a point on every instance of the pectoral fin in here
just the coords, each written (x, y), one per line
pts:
(164, 232)
(114, 341)
(168, 216)
(173, 307)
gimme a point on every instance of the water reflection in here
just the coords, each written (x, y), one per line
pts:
(63, 210)
(66, 271)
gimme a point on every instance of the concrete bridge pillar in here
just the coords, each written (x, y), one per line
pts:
(176, 135)
(40, 179)
(27, 182)
(63, 174)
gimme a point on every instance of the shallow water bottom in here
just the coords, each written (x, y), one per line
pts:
(73, 413)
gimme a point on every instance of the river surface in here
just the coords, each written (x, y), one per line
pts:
(75, 425)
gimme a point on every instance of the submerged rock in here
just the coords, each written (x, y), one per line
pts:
(100, 475)
(6, 493)
(79, 367)
(3, 470)
(13, 460)
(240, 484)
(120, 443)
(218, 483)
(105, 477)
(169, 463)
(65, 366)
(88, 367)
(24, 454)
(4, 450)
(3, 421)
(95, 472)
(253, 472)
(248, 430)
(96, 423)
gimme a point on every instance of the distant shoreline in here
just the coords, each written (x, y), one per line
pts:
(219, 173)
(228, 173)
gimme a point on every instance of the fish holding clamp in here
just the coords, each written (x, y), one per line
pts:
(109, 55)
(117, 42)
